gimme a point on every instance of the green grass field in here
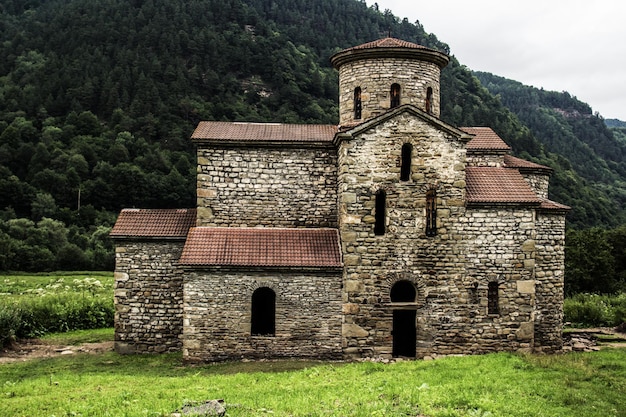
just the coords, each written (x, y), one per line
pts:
(576, 384)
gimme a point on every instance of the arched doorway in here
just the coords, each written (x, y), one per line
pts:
(263, 312)
(403, 329)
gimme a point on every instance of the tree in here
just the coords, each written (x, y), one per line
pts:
(589, 262)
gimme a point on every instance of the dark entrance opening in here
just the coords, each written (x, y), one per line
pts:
(263, 312)
(403, 292)
(404, 333)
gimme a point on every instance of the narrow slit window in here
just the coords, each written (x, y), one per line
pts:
(493, 303)
(263, 312)
(431, 213)
(405, 168)
(429, 100)
(357, 103)
(395, 95)
(380, 213)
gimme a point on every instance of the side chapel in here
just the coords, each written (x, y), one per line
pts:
(393, 234)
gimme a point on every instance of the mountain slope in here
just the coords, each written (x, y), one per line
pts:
(585, 145)
(98, 100)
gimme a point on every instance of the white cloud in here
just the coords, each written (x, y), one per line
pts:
(563, 45)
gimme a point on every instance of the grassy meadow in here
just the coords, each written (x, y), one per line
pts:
(503, 384)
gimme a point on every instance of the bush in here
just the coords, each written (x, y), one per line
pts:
(10, 319)
(35, 316)
(595, 310)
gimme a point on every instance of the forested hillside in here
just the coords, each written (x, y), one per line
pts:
(584, 143)
(98, 100)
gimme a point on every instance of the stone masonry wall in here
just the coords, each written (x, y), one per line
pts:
(148, 296)
(485, 160)
(500, 248)
(218, 315)
(539, 183)
(374, 263)
(267, 187)
(375, 78)
(550, 261)
(450, 271)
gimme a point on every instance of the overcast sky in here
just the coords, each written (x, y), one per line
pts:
(562, 45)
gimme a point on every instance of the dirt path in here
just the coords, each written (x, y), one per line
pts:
(576, 339)
(36, 349)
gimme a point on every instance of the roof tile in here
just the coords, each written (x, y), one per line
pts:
(513, 162)
(498, 185)
(485, 139)
(263, 132)
(154, 223)
(387, 43)
(262, 247)
(553, 205)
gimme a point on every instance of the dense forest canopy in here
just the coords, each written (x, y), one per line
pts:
(98, 100)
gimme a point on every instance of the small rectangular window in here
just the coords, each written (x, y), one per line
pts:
(380, 213)
(395, 96)
(493, 304)
(405, 168)
(357, 103)
(431, 213)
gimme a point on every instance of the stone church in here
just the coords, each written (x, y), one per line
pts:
(393, 234)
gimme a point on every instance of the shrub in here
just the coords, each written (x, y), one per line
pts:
(61, 313)
(595, 310)
(10, 319)
(31, 308)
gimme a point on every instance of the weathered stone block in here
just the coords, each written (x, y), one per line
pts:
(353, 330)
(526, 331)
(526, 287)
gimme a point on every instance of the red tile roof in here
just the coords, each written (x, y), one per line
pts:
(262, 247)
(513, 162)
(485, 139)
(263, 132)
(552, 205)
(387, 43)
(154, 223)
(498, 185)
(389, 48)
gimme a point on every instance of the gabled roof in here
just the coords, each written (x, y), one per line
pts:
(498, 186)
(525, 166)
(278, 133)
(485, 139)
(153, 223)
(352, 131)
(262, 247)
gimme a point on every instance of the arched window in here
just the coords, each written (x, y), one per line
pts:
(357, 103)
(380, 213)
(431, 213)
(403, 292)
(395, 95)
(263, 312)
(493, 303)
(429, 100)
(405, 168)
